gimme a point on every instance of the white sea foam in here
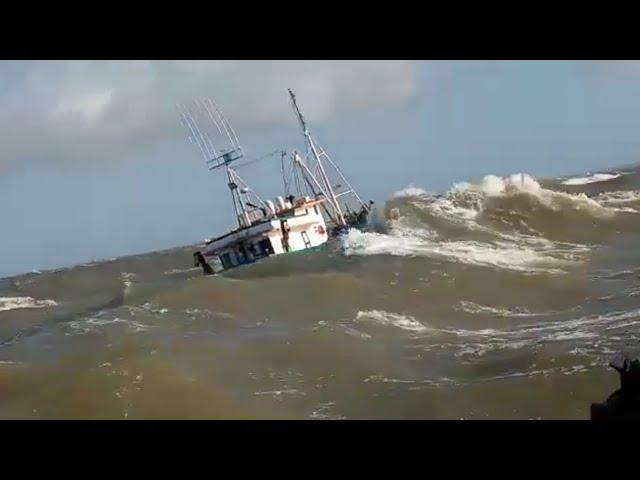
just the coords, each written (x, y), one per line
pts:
(447, 208)
(462, 205)
(595, 178)
(549, 329)
(357, 333)
(519, 183)
(14, 303)
(181, 270)
(494, 186)
(475, 308)
(410, 191)
(505, 256)
(323, 411)
(450, 210)
(128, 280)
(471, 307)
(622, 196)
(153, 308)
(380, 317)
(96, 324)
(279, 393)
(470, 343)
(618, 200)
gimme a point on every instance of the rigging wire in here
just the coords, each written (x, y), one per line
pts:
(255, 160)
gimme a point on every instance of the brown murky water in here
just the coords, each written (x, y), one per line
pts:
(504, 299)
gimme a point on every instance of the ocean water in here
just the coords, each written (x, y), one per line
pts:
(501, 299)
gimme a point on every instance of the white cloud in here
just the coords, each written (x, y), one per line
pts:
(66, 111)
(90, 106)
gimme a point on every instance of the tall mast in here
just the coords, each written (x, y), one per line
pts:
(303, 124)
(311, 146)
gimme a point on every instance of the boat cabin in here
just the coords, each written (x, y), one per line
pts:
(292, 226)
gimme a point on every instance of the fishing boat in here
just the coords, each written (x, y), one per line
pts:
(318, 202)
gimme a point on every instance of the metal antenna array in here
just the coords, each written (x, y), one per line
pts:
(315, 174)
(207, 127)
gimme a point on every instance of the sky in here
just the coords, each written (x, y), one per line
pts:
(94, 162)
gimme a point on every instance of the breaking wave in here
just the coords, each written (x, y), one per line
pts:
(510, 223)
(622, 201)
(595, 178)
(410, 191)
(14, 303)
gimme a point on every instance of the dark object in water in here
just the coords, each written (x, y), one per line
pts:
(339, 230)
(353, 219)
(624, 403)
(200, 261)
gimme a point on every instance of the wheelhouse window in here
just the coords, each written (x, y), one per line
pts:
(265, 247)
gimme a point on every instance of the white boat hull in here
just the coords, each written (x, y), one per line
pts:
(297, 229)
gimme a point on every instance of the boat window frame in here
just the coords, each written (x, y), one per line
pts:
(305, 239)
(225, 259)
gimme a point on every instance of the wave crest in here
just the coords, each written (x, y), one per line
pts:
(508, 222)
(14, 303)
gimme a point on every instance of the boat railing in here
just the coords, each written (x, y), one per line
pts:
(256, 215)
